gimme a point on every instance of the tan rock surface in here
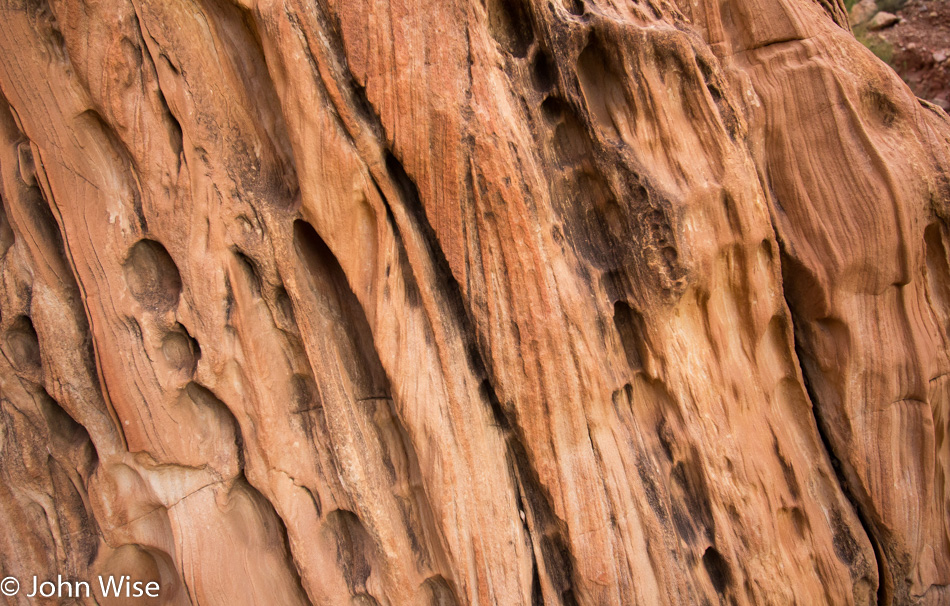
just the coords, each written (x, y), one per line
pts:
(503, 302)
(883, 20)
(862, 12)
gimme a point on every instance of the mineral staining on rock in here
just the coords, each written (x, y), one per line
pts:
(486, 302)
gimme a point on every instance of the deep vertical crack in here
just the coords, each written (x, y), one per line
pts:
(836, 464)
(869, 529)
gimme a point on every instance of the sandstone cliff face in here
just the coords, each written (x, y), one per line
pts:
(488, 302)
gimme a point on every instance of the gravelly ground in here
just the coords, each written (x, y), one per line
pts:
(921, 43)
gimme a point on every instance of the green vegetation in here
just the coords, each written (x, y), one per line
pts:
(876, 44)
(891, 6)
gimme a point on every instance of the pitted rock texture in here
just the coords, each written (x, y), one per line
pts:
(471, 302)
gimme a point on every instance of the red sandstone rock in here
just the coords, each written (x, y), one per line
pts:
(502, 302)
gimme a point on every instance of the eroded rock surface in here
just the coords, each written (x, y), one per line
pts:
(487, 302)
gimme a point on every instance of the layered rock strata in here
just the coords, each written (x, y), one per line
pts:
(490, 302)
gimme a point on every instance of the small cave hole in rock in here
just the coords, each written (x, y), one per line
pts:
(542, 72)
(439, 592)
(22, 344)
(717, 568)
(603, 89)
(152, 276)
(510, 26)
(180, 350)
(629, 325)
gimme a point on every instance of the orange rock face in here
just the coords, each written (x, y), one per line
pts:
(507, 302)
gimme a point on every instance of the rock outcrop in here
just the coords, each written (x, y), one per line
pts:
(489, 302)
